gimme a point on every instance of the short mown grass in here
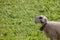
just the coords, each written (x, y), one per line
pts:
(17, 18)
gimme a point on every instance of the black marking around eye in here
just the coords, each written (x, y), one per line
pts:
(40, 17)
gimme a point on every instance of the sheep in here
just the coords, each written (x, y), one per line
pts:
(50, 28)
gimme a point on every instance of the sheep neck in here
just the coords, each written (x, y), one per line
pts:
(43, 26)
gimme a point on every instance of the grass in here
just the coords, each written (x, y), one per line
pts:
(17, 18)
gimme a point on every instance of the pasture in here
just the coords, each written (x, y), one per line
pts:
(17, 18)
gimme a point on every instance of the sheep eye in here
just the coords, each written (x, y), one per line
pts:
(40, 17)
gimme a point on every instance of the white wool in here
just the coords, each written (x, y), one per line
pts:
(52, 29)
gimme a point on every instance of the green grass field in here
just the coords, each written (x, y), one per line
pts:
(17, 18)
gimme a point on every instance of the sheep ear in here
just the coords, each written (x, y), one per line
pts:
(45, 20)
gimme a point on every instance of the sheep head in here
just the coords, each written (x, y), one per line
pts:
(41, 19)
